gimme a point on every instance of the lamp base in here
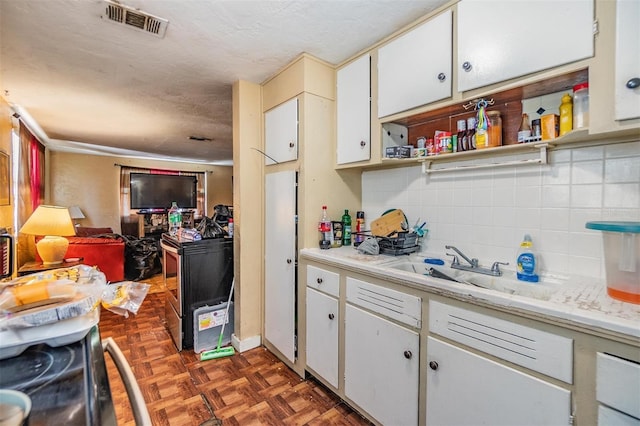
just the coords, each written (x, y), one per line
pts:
(52, 249)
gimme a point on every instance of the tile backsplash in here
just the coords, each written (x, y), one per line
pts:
(486, 212)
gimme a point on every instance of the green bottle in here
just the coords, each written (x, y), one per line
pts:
(346, 228)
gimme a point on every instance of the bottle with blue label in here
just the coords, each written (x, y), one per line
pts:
(527, 264)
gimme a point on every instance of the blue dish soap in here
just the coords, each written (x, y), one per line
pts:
(527, 263)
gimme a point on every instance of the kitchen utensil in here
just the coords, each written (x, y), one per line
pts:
(389, 223)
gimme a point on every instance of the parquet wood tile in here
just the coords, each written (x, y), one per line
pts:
(252, 388)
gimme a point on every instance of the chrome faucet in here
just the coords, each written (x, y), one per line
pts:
(473, 264)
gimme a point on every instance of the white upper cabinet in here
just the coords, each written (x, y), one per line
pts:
(627, 77)
(415, 69)
(503, 39)
(281, 133)
(354, 111)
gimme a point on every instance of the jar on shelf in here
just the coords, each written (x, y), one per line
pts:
(495, 129)
(581, 105)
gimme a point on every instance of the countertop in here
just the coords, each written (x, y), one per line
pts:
(576, 301)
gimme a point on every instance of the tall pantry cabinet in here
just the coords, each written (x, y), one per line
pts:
(310, 83)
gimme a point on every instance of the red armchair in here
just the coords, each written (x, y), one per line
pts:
(105, 253)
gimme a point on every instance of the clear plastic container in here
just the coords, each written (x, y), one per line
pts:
(581, 105)
(622, 258)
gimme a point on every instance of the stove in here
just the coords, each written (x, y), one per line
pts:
(67, 384)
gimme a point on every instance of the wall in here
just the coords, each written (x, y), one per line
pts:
(92, 182)
(486, 213)
(6, 213)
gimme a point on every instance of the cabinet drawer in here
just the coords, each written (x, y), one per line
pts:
(391, 303)
(529, 347)
(607, 416)
(618, 383)
(326, 281)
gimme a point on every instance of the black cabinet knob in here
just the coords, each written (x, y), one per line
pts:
(467, 66)
(319, 280)
(289, 261)
(363, 144)
(291, 144)
(331, 316)
(408, 354)
(442, 76)
(433, 365)
(633, 83)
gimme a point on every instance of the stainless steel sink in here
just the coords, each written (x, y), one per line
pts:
(507, 283)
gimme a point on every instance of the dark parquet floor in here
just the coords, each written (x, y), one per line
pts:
(252, 388)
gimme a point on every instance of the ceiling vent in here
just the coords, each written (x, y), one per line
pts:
(126, 15)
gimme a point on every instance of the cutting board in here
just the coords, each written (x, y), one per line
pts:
(388, 223)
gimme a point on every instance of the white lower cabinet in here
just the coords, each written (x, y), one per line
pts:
(381, 361)
(322, 335)
(617, 390)
(466, 388)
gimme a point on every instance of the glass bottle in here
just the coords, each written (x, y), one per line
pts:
(462, 131)
(495, 129)
(346, 228)
(471, 133)
(524, 131)
(359, 237)
(566, 114)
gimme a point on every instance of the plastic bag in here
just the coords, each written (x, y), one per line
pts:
(124, 297)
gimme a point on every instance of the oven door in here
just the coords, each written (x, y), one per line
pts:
(172, 276)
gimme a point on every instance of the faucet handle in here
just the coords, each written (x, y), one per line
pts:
(495, 268)
(455, 260)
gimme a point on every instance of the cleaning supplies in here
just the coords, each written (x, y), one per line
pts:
(527, 263)
(219, 352)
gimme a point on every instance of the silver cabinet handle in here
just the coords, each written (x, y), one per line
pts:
(633, 83)
(138, 406)
(442, 76)
(467, 66)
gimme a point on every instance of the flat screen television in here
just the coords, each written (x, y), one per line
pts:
(149, 191)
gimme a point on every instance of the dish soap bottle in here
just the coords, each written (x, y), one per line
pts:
(527, 263)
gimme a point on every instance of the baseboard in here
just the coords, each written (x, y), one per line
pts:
(246, 344)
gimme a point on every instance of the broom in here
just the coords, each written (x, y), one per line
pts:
(226, 351)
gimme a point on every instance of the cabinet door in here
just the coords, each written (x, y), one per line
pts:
(281, 133)
(627, 103)
(354, 111)
(415, 69)
(381, 367)
(322, 335)
(503, 39)
(280, 261)
(465, 388)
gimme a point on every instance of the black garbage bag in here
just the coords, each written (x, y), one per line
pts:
(142, 258)
(208, 228)
(221, 214)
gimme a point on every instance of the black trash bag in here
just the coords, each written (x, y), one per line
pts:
(221, 215)
(208, 228)
(142, 258)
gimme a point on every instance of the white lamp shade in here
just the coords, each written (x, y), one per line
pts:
(54, 223)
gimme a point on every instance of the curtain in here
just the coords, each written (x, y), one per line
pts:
(128, 216)
(30, 188)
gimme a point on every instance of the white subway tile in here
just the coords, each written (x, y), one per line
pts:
(555, 195)
(586, 154)
(618, 170)
(579, 217)
(623, 149)
(557, 175)
(586, 196)
(554, 219)
(482, 216)
(528, 219)
(482, 196)
(504, 216)
(622, 195)
(559, 156)
(585, 266)
(553, 241)
(462, 197)
(588, 244)
(554, 262)
(586, 172)
(528, 196)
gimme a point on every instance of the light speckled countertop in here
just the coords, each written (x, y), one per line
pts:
(578, 301)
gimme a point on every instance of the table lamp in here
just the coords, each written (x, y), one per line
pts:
(54, 223)
(76, 213)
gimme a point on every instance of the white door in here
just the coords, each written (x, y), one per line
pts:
(281, 133)
(464, 389)
(503, 39)
(415, 69)
(353, 107)
(322, 335)
(627, 78)
(381, 367)
(280, 261)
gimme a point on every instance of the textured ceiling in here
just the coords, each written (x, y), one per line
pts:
(95, 86)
